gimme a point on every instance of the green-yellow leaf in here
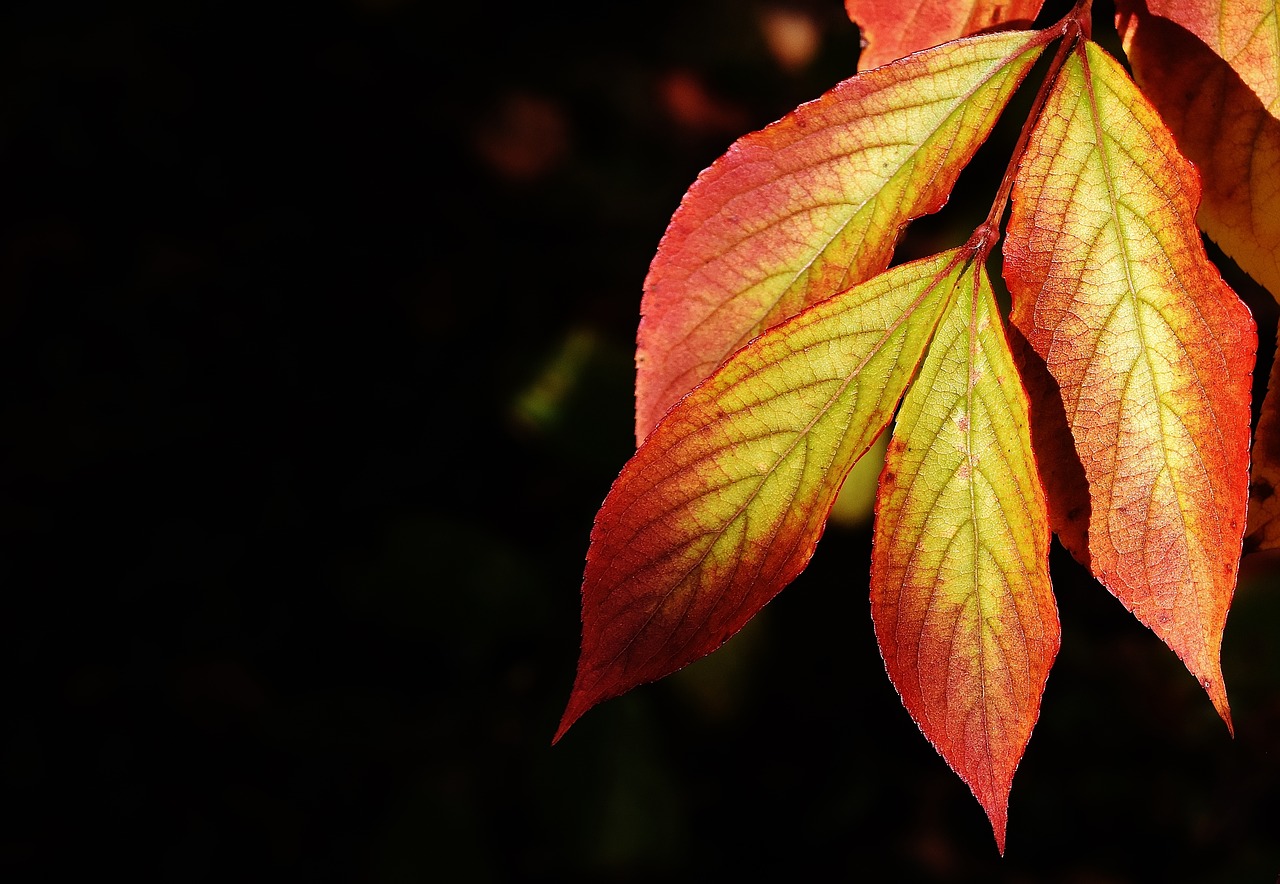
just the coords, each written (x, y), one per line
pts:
(723, 504)
(960, 590)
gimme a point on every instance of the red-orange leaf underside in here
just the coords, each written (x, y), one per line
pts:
(1223, 127)
(1243, 33)
(1264, 487)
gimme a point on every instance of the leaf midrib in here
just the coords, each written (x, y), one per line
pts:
(1102, 145)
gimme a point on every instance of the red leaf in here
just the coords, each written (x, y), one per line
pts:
(893, 28)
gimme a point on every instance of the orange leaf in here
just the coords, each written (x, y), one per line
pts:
(723, 504)
(1243, 33)
(893, 28)
(1220, 125)
(1139, 359)
(960, 592)
(813, 204)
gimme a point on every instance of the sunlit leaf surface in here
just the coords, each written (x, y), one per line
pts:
(722, 506)
(1139, 359)
(813, 204)
(960, 592)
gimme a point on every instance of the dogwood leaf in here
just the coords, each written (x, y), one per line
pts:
(1138, 359)
(813, 204)
(1222, 126)
(723, 504)
(960, 593)
(1243, 33)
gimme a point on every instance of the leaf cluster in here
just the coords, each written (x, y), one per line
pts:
(1111, 407)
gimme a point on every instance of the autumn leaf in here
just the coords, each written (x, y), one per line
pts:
(891, 29)
(779, 347)
(1222, 126)
(1138, 356)
(960, 591)
(1243, 33)
(813, 204)
(723, 504)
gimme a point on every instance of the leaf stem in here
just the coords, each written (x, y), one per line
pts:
(1074, 26)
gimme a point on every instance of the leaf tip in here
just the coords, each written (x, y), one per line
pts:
(997, 812)
(996, 805)
(1217, 691)
(580, 700)
(1209, 674)
(578, 704)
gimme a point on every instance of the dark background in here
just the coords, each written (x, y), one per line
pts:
(315, 350)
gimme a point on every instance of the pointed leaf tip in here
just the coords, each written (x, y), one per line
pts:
(1218, 695)
(573, 711)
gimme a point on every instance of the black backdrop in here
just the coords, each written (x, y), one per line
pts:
(315, 329)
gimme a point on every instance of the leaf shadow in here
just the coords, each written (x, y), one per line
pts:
(1221, 125)
(1061, 470)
